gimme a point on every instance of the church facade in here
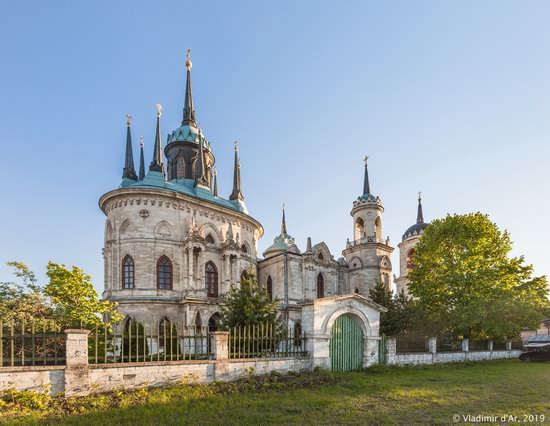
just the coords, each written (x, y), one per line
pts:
(174, 246)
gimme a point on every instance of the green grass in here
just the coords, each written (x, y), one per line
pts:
(423, 395)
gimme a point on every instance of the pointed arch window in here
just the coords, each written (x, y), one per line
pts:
(210, 239)
(269, 287)
(128, 272)
(320, 286)
(244, 249)
(165, 332)
(297, 335)
(410, 263)
(244, 275)
(214, 322)
(320, 256)
(211, 278)
(164, 274)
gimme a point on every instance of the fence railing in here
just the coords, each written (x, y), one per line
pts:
(266, 341)
(31, 342)
(133, 341)
(411, 343)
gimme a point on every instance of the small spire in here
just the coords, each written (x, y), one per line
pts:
(200, 177)
(189, 108)
(283, 223)
(129, 172)
(215, 183)
(308, 246)
(141, 160)
(366, 185)
(157, 164)
(237, 194)
(419, 215)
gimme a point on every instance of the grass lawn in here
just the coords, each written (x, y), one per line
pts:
(422, 395)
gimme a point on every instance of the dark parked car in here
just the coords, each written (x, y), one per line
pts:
(542, 353)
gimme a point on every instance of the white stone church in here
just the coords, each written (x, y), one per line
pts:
(174, 246)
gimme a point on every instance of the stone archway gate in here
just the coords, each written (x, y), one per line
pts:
(342, 331)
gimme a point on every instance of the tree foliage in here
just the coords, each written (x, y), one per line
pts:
(247, 304)
(400, 314)
(69, 298)
(463, 277)
(74, 298)
(24, 300)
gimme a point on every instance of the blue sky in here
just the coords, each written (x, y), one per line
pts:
(451, 98)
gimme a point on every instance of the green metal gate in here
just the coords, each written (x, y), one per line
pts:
(346, 344)
(382, 350)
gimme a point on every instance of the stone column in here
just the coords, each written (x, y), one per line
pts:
(200, 271)
(466, 345)
(190, 270)
(432, 345)
(391, 349)
(77, 379)
(508, 345)
(490, 346)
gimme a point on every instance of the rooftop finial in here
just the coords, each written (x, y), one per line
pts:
(188, 63)
(157, 165)
(129, 172)
(141, 175)
(366, 185)
(236, 145)
(188, 107)
(283, 223)
(236, 194)
(159, 109)
(141, 144)
(420, 214)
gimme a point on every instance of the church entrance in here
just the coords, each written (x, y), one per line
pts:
(346, 344)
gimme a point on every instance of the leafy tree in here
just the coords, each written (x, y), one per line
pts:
(400, 312)
(247, 304)
(74, 298)
(23, 300)
(464, 278)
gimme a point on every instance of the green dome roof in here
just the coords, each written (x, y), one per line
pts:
(187, 133)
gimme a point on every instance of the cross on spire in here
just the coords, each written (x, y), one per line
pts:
(366, 184)
(129, 172)
(189, 107)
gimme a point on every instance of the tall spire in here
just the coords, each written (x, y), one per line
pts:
(141, 160)
(283, 223)
(237, 194)
(200, 177)
(419, 215)
(189, 108)
(129, 172)
(157, 164)
(366, 185)
(215, 183)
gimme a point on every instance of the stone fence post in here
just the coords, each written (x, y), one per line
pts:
(77, 379)
(508, 345)
(432, 345)
(490, 346)
(220, 344)
(391, 349)
(466, 345)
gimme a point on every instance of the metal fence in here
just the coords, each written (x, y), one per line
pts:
(448, 344)
(31, 342)
(266, 341)
(478, 345)
(156, 340)
(411, 342)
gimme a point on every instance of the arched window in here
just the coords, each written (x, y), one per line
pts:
(198, 323)
(320, 286)
(165, 327)
(211, 278)
(210, 239)
(213, 322)
(244, 275)
(164, 274)
(269, 287)
(356, 291)
(128, 272)
(410, 254)
(359, 229)
(320, 256)
(378, 229)
(128, 325)
(244, 249)
(297, 337)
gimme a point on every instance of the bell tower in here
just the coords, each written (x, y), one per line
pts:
(368, 255)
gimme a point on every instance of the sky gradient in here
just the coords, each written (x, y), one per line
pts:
(450, 98)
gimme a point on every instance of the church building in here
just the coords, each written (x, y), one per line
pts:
(174, 246)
